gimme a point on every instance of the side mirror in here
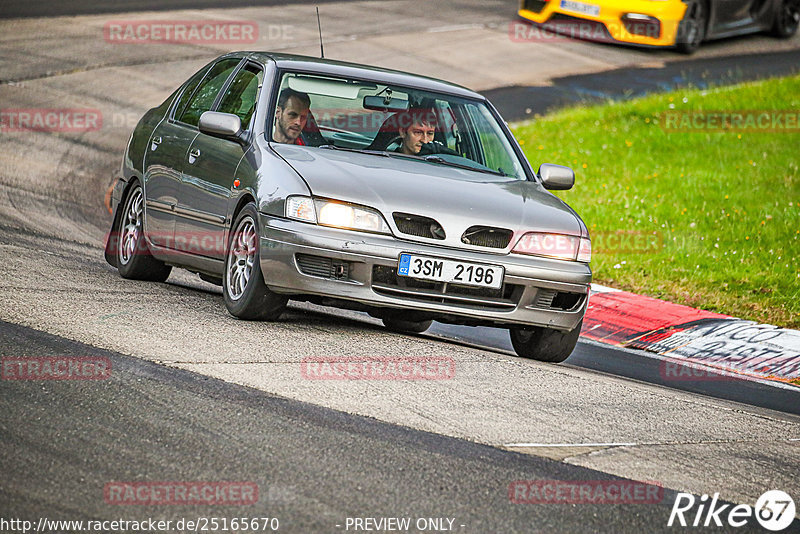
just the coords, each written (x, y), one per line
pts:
(556, 177)
(225, 125)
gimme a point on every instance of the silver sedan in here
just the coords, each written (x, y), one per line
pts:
(286, 177)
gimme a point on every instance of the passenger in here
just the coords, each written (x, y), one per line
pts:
(291, 115)
(416, 128)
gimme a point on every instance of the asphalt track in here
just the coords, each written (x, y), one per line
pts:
(640, 366)
(522, 102)
(175, 408)
(314, 466)
(46, 8)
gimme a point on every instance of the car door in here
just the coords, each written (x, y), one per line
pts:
(163, 160)
(211, 166)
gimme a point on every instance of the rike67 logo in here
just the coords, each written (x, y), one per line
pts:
(774, 511)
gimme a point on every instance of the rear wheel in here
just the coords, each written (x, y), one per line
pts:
(544, 344)
(787, 19)
(134, 260)
(243, 289)
(692, 29)
(406, 327)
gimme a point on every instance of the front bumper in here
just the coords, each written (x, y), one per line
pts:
(305, 259)
(668, 13)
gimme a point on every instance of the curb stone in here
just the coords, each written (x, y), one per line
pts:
(697, 337)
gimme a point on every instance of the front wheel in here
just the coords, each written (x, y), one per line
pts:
(134, 260)
(787, 19)
(544, 344)
(243, 289)
(692, 29)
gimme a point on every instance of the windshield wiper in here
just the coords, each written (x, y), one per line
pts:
(433, 158)
(358, 150)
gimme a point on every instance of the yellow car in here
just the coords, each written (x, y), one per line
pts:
(680, 23)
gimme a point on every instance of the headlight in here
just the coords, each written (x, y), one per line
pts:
(351, 217)
(559, 246)
(336, 214)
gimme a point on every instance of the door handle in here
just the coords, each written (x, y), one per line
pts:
(155, 142)
(193, 155)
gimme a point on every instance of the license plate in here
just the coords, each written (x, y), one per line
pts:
(450, 271)
(580, 7)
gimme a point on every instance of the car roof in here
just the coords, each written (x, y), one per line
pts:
(358, 71)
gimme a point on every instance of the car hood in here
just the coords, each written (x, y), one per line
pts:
(456, 198)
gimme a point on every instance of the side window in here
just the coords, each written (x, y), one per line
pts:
(206, 93)
(188, 89)
(240, 98)
(493, 149)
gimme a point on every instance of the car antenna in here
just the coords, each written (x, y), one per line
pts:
(319, 26)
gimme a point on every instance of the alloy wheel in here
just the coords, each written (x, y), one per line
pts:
(241, 258)
(131, 226)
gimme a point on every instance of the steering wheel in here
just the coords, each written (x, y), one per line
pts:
(435, 147)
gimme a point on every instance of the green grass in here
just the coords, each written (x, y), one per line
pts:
(720, 211)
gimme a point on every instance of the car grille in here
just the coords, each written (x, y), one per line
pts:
(578, 28)
(419, 226)
(534, 5)
(649, 27)
(484, 236)
(386, 282)
(322, 267)
(560, 300)
(544, 298)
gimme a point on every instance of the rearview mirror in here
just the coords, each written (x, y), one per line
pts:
(556, 177)
(225, 125)
(383, 103)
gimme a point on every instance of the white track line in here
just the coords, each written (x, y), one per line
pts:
(570, 445)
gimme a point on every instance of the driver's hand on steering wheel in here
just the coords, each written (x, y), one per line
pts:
(435, 147)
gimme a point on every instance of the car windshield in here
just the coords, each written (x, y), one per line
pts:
(395, 121)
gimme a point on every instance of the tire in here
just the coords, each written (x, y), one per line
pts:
(787, 19)
(544, 344)
(406, 327)
(692, 29)
(243, 289)
(133, 258)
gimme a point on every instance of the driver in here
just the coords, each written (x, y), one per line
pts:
(416, 128)
(291, 115)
